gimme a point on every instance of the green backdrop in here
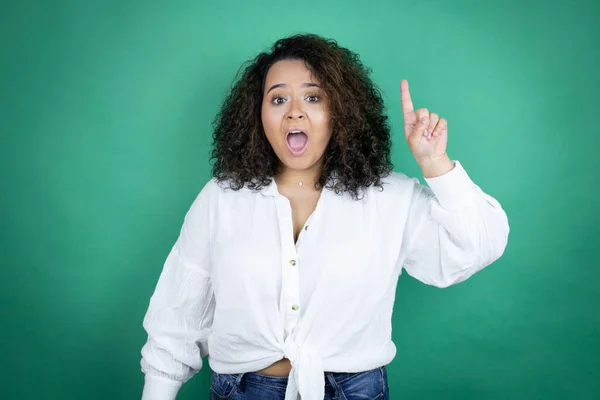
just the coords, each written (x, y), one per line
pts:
(105, 124)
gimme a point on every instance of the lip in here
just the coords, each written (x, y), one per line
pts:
(292, 129)
(297, 153)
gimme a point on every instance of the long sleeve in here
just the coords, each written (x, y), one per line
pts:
(453, 230)
(180, 313)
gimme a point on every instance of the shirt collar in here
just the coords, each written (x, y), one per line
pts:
(272, 190)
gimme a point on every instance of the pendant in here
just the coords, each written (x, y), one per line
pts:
(300, 184)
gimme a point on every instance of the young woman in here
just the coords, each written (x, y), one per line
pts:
(285, 269)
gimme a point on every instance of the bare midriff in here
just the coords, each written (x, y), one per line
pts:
(279, 368)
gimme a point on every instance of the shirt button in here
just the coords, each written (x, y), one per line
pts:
(295, 307)
(306, 228)
(293, 262)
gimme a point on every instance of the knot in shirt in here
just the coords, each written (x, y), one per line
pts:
(307, 377)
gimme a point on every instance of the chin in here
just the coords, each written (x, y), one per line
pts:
(300, 163)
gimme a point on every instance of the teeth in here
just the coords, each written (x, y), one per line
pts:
(295, 131)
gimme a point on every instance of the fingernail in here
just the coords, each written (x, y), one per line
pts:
(426, 133)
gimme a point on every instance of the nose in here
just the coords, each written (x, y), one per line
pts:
(295, 110)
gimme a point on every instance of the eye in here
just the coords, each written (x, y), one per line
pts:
(275, 98)
(312, 98)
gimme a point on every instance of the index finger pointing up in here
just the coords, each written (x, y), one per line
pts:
(407, 105)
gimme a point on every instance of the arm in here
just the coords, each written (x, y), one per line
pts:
(453, 229)
(180, 313)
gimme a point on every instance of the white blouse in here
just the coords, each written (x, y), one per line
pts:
(236, 288)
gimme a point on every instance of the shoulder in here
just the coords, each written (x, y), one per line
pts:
(212, 187)
(392, 186)
(398, 179)
(208, 193)
(209, 189)
(397, 182)
(215, 189)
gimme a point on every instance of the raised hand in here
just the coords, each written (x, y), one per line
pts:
(426, 134)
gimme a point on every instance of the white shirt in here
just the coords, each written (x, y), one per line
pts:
(237, 288)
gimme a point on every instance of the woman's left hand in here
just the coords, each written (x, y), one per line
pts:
(426, 134)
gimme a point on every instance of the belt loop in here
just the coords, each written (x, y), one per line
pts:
(238, 382)
(334, 387)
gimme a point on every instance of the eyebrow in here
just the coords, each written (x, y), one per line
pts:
(308, 84)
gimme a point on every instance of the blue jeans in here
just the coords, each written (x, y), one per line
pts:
(368, 385)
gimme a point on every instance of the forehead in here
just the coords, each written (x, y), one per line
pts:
(289, 71)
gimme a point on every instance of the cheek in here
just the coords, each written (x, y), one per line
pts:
(271, 123)
(324, 123)
(272, 114)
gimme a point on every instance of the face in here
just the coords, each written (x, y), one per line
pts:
(295, 115)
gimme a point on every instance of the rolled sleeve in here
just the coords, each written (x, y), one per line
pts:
(453, 190)
(453, 230)
(158, 388)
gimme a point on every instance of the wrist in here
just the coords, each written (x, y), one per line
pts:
(434, 167)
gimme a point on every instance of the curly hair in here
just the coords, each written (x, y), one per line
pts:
(358, 153)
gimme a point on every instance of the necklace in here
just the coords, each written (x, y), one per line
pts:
(300, 184)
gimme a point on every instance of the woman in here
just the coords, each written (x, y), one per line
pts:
(286, 266)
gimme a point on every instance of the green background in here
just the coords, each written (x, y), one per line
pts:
(105, 124)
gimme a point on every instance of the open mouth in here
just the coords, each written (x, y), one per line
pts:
(297, 141)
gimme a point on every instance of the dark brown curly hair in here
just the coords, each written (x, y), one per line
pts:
(358, 154)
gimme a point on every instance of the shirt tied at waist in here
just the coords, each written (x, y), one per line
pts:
(307, 377)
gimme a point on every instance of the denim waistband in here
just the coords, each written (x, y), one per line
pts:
(281, 382)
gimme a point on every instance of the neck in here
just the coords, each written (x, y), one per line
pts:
(305, 178)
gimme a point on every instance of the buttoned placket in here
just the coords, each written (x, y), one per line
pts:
(289, 303)
(290, 280)
(302, 356)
